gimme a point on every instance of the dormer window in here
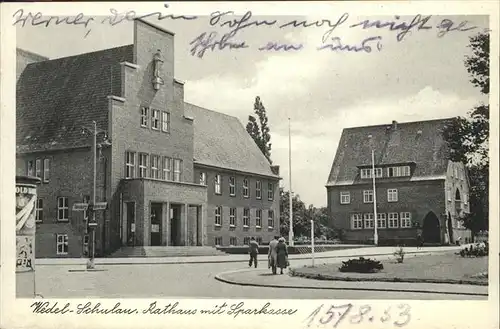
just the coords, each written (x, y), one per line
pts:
(367, 173)
(157, 63)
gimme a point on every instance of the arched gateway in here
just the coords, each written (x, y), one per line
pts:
(431, 232)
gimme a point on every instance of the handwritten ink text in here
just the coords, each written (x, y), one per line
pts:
(418, 22)
(337, 45)
(208, 41)
(277, 47)
(447, 25)
(218, 19)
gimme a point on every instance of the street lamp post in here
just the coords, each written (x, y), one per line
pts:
(290, 230)
(375, 220)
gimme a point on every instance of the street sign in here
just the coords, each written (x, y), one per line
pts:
(100, 205)
(80, 206)
(92, 224)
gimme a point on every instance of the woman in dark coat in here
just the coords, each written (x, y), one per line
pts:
(282, 252)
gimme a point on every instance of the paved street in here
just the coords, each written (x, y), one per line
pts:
(187, 280)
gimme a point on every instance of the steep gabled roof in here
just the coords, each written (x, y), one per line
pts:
(221, 141)
(55, 98)
(420, 143)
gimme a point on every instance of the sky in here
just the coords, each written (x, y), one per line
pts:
(421, 77)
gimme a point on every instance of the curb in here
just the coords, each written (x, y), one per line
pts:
(219, 277)
(236, 260)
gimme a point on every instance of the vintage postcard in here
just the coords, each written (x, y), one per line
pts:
(250, 164)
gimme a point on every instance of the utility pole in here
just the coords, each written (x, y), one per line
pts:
(94, 188)
(375, 233)
(290, 231)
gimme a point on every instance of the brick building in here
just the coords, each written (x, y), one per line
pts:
(171, 173)
(417, 188)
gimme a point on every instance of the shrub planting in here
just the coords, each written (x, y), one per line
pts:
(475, 250)
(361, 265)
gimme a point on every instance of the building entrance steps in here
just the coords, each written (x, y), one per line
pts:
(166, 251)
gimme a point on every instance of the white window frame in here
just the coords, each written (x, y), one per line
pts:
(405, 171)
(167, 168)
(143, 165)
(246, 217)
(356, 221)
(393, 220)
(130, 164)
(38, 168)
(218, 216)
(345, 197)
(232, 217)
(395, 172)
(246, 241)
(392, 195)
(368, 221)
(177, 170)
(270, 191)
(405, 219)
(165, 121)
(218, 184)
(366, 173)
(381, 220)
(39, 210)
(63, 205)
(155, 168)
(366, 196)
(232, 186)
(144, 117)
(218, 241)
(258, 189)
(46, 170)
(155, 119)
(258, 218)
(62, 241)
(246, 189)
(270, 218)
(233, 241)
(378, 173)
(203, 178)
(30, 168)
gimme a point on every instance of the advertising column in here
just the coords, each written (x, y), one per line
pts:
(26, 196)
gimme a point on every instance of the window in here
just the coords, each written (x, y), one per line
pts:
(232, 186)
(144, 116)
(86, 199)
(368, 219)
(405, 171)
(62, 244)
(258, 218)
(129, 165)
(233, 241)
(246, 240)
(392, 195)
(381, 220)
(345, 197)
(368, 196)
(366, 173)
(270, 219)
(270, 191)
(398, 171)
(165, 122)
(46, 170)
(155, 119)
(258, 189)
(29, 168)
(405, 220)
(246, 192)
(393, 220)
(38, 168)
(356, 222)
(259, 240)
(177, 170)
(203, 178)
(218, 216)
(39, 210)
(378, 172)
(218, 241)
(155, 172)
(217, 184)
(167, 168)
(62, 209)
(232, 217)
(143, 165)
(246, 217)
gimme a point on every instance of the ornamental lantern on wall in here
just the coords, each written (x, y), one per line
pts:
(157, 63)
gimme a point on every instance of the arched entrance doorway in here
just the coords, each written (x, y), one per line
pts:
(431, 232)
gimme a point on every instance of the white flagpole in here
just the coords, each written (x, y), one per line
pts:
(375, 233)
(290, 231)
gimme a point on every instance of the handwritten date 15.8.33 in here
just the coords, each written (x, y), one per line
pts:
(335, 315)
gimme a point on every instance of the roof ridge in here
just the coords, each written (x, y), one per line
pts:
(214, 111)
(399, 123)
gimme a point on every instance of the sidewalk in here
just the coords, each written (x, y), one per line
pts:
(263, 278)
(357, 252)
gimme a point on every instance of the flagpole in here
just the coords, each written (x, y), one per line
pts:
(290, 231)
(375, 233)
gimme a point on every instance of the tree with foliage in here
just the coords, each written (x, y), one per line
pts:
(467, 137)
(259, 130)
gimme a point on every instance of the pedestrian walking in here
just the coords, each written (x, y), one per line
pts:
(282, 254)
(420, 240)
(253, 250)
(272, 255)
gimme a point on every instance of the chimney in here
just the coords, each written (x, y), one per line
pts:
(394, 125)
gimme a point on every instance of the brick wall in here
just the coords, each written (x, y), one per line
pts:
(239, 202)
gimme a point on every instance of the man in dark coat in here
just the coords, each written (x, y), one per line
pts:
(253, 250)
